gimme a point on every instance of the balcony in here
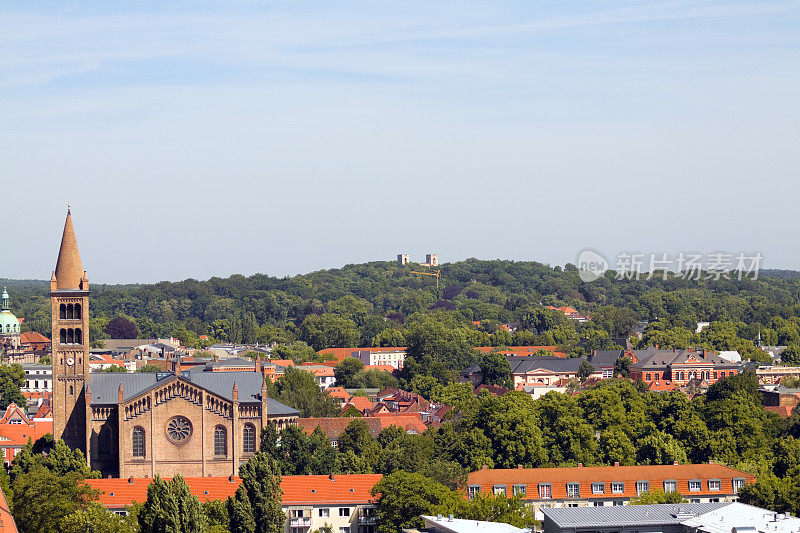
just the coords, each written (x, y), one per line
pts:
(367, 520)
(300, 522)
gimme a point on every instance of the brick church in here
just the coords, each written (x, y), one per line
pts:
(193, 422)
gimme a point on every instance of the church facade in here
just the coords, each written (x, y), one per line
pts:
(192, 422)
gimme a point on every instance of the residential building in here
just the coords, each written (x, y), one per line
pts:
(772, 375)
(608, 485)
(394, 357)
(680, 366)
(38, 378)
(343, 502)
(728, 517)
(16, 428)
(535, 370)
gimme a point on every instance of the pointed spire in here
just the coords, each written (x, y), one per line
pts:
(69, 272)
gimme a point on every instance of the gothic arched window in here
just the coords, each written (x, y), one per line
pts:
(137, 442)
(249, 439)
(62, 311)
(77, 338)
(77, 313)
(63, 336)
(220, 441)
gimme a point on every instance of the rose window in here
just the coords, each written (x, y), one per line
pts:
(179, 429)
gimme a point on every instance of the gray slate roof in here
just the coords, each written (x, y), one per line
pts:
(627, 515)
(604, 358)
(105, 386)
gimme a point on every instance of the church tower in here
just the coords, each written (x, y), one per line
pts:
(69, 298)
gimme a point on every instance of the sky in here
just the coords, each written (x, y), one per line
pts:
(197, 139)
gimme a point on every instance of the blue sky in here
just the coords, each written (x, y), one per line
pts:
(208, 138)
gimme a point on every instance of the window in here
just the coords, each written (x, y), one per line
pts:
(598, 504)
(713, 500)
(344, 529)
(249, 439)
(573, 490)
(545, 491)
(617, 487)
(520, 489)
(738, 483)
(499, 490)
(137, 442)
(642, 487)
(694, 500)
(694, 485)
(647, 377)
(324, 513)
(670, 485)
(344, 511)
(598, 488)
(714, 484)
(179, 429)
(617, 503)
(473, 490)
(220, 441)
(572, 504)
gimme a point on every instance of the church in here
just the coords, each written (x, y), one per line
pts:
(192, 422)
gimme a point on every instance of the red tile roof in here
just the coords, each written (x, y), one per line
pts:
(629, 475)
(359, 402)
(7, 524)
(520, 351)
(33, 337)
(785, 411)
(297, 490)
(662, 386)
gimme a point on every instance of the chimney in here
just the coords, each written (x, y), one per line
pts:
(235, 393)
(258, 365)
(177, 366)
(580, 465)
(674, 462)
(119, 393)
(656, 346)
(484, 467)
(616, 463)
(89, 395)
(519, 467)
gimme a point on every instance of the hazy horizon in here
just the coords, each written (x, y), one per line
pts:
(201, 139)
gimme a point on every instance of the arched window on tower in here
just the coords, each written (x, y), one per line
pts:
(70, 336)
(77, 311)
(78, 335)
(62, 311)
(137, 442)
(220, 441)
(249, 439)
(69, 312)
(63, 336)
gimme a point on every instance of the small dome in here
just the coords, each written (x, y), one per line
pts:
(9, 325)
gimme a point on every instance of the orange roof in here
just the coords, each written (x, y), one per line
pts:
(785, 411)
(33, 337)
(18, 434)
(520, 351)
(385, 368)
(662, 386)
(338, 392)
(7, 524)
(297, 490)
(406, 422)
(323, 372)
(628, 475)
(359, 402)
(342, 353)
(282, 362)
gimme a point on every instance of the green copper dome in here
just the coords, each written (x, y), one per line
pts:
(9, 325)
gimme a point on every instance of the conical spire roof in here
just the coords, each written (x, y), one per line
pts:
(69, 270)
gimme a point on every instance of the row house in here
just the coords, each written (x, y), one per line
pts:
(680, 366)
(600, 486)
(343, 503)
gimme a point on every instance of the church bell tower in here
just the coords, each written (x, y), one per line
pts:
(69, 298)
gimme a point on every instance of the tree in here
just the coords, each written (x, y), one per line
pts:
(496, 370)
(585, 370)
(55, 456)
(121, 328)
(94, 518)
(111, 369)
(781, 495)
(405, 496)
(149, 369)
(12, 378)
(791, 355)
(495, 508)
(622, 367)
(299, 389)
(43, 499)
(658, 496)
(256, 505)
(171, 508)
(329, 331)
(346, 370)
